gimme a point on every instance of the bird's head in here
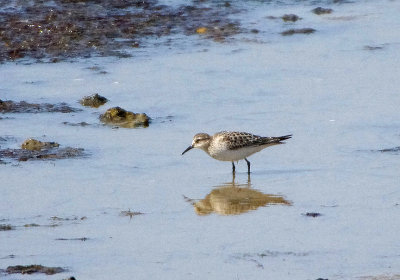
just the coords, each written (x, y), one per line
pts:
(200, 141)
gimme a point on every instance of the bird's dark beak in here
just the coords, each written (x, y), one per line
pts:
(188, 148)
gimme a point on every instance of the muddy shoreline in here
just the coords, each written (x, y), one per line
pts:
(53, 31)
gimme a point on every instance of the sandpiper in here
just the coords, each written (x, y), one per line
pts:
(233, 146)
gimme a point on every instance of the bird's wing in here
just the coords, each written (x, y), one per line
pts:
(237, 140)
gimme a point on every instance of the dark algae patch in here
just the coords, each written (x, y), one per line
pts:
(82, 124)
(6, 227)
(259, 259)
(54, 30)
(390, 150)
(33, 149)
(286, 18)
(394, 150)
(34, 268)
(294, 31)
(290, 18)
(9, 106)
(31, 225)
(129, 213)
(322, 11)
(73, 239)
(312, 214)
(372, 48)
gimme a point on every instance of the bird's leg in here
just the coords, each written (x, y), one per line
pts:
(233, 168)
(248, 165)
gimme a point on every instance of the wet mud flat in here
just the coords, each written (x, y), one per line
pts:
(64, 29)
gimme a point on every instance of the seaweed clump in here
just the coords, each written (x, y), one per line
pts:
(298, 31)
(120, 117)
(9, 106)
(6, 227)
(36, 145)
(94, 101)
(34, 268)
(322, 11)
(290, 18)
(32, 149)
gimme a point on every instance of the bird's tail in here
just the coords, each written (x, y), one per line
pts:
(283, 138)
(270, 141)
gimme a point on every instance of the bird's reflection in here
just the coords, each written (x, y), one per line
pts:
(234, 199)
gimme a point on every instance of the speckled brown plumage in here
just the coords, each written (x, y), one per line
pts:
(233, 146)
(237, 140)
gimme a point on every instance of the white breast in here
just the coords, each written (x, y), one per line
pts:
(234, 155)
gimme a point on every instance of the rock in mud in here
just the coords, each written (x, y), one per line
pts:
(120, 117)
(34, 268)
(298, 31)
(9, 106)
(322, 11)
(94, 100)
(290, 17)
(36, 145)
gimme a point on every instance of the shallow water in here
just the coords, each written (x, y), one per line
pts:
(336, 96)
